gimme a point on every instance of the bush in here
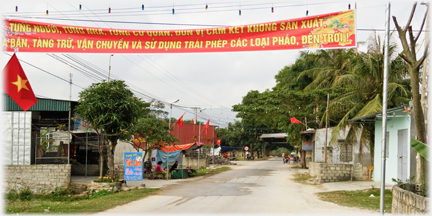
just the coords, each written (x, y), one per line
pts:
(109, 179)
(25, 195)
(12, 195)
(60, 191)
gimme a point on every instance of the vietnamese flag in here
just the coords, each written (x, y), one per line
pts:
(180, 121)
(192, 121)
(218, 141)
(207, 125)
(294, 120)
(16, 84)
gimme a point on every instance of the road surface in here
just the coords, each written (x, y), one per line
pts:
(251, 187)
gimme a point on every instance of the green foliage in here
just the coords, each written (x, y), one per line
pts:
(204, 171)
(100, 193)
(420, 148)
(12, 195)
(153, 131)
(359, 198)
(61, 191)
(280, 151)
(353, 81)
(25, 194)
(111, 108)
(75, 204)
(44, 141)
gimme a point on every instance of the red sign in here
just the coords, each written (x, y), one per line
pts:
(246, 148)
(333, 30)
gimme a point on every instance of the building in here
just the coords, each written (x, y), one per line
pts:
(400, 156)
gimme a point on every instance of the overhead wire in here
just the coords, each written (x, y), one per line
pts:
(46, 72)
(93, 71)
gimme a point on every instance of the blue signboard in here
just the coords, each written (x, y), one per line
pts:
(307, 145)
(133, 166)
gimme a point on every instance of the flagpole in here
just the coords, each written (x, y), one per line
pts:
(169, 129)
(199, 141)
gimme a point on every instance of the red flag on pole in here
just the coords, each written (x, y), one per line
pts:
(294, 120)
(218, 141)
(207, 126)
(16, 84)
(180, 121)
(192, 121)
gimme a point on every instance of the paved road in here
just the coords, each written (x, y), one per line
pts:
(251, 187)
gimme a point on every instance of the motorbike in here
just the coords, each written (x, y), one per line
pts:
(285, 160)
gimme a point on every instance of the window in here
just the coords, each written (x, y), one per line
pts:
(345, 151)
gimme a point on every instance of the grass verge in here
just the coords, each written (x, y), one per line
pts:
(359, 198)
(202, 172)
(302, 178)
(65, 204)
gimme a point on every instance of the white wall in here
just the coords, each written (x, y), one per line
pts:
(320, 142)
(16, 137)
(393, 125)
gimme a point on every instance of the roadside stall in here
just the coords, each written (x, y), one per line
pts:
(176, 153)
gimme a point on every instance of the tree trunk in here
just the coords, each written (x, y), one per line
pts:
(110, 152)
(303, 159)
(100, 148)
(418, 111)
(419, 121)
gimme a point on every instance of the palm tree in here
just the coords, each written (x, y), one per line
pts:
(365, 96)
(331, 67)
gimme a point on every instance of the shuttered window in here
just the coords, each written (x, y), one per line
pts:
(345, 151)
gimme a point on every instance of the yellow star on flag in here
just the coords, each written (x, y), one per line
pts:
(20, 83)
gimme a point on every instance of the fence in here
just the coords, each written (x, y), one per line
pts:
(61, 149)
(53, 151)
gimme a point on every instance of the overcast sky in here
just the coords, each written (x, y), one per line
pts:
(215, 81)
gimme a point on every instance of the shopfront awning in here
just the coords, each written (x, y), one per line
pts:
(189, 146)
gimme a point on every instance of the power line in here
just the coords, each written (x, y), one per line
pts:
(46, 71)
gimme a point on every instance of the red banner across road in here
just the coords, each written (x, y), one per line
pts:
(333, 30)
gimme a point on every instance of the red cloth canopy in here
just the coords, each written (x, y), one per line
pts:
(181, 147)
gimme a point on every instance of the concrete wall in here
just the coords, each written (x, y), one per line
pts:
(119, 151)
(393, 125)
(325, 172)
(79, 169)
(37, 178)
(319, 142)
(407, 203)
(193, 162)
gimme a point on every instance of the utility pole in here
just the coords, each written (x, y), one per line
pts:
(195, 114)
(70, 110)
(325, 146)
(384, 110)
(109, 70)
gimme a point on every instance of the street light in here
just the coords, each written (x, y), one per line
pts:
(169, 128)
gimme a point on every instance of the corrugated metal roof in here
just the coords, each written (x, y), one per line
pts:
(274, 135)
(372, 116)
(43, 104)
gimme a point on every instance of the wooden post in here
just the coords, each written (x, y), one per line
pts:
(325, 146)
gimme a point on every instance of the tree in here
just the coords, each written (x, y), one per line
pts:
(365, 91)
(153, 132)
(409, 55)
(111, 109)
